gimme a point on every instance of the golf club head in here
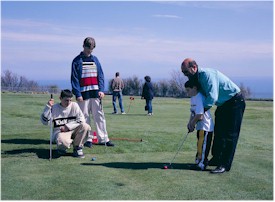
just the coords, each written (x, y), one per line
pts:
(167, 166)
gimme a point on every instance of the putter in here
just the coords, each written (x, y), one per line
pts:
(51, 132)
(170, 164)
(101, 108)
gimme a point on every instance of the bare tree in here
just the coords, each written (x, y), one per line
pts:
(132, 86)
(9, 79)
(177, 81)
(163, 88)
(12, 82)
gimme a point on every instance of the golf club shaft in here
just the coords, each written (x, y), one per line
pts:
(127, 139)
(179, 148)
(129, 107)
(51, 131)
(101, 108)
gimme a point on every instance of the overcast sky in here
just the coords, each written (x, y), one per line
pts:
(40, 39)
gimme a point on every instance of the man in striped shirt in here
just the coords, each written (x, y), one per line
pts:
(87, 79)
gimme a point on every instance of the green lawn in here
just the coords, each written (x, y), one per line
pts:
(131, 170)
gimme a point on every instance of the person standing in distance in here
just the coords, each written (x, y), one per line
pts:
(148, 95)
(117, 87)
(219, 90)
(87, 79)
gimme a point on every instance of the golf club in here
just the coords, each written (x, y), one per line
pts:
(170, 164)
(131, 99)
(101, 108)
(51, 131)
(127, 139)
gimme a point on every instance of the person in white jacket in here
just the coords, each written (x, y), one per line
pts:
(69, 124)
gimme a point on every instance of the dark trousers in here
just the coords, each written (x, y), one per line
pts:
(228, 120)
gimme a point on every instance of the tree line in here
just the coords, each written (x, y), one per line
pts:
(12, 82)
(173, 87)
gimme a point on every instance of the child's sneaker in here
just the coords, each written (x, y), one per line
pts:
(78, 152)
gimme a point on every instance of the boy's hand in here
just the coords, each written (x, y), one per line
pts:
(64, 129)
(51, 102)
(190, 127)
(79, 99)
(101, 95)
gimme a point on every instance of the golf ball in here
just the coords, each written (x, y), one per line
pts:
(94, 158)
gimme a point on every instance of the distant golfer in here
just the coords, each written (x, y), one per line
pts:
(69, 124)
(87, 79)
(221, 91)
(148, 95)
(202, 121)
(117, 87)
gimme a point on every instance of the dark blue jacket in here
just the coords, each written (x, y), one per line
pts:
(76, 76)
(148, 92)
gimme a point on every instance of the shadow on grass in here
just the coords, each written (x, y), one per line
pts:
(25, 141)
(41, 153)
(140, 166)
(128, 114)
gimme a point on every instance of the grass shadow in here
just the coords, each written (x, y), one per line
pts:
(41, 153)
(25, 141)
(140, 166)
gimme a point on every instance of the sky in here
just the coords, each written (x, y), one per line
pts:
(39, 39)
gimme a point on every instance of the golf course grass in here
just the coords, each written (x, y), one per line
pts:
(131, 170)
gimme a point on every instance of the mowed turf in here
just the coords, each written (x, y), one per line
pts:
(131, 170)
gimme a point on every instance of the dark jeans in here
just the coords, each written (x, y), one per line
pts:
(228, 120)
(118, 94)
(149, 106)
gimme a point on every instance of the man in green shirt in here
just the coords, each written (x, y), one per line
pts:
(219, 90)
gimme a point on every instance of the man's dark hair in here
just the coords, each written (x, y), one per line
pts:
(147, 78)
(117, 74)
(192, 83)
(66, 93)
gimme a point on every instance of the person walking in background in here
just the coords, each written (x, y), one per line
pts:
(202, 121)
(117, 87)
(148, 95)
(87, 79)
(70, 126)
(219, 90)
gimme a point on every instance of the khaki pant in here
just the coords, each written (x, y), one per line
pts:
(76, 136)
(92, 106)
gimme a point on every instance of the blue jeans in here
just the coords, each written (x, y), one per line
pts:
(149, 106)
(119, 95)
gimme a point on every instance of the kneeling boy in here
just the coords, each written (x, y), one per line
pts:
(69, 124)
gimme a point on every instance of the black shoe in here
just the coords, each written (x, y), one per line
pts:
(88, 144)
(218, 170)
(110, 144)
(213, 162)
